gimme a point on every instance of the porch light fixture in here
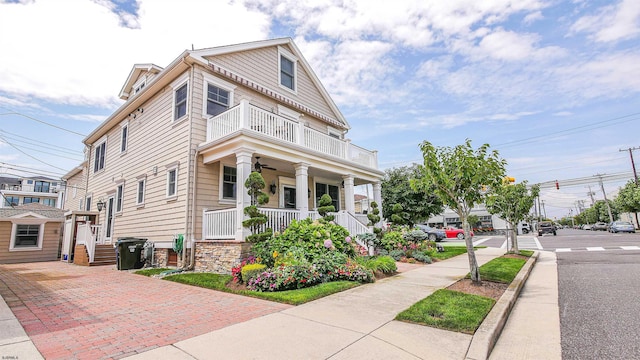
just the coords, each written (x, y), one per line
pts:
(100, 205)
(272, 188)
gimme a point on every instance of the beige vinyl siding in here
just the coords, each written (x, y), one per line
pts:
(50, 244)
(261, 66)
(240, 93)
(78, 182)
(154, 142)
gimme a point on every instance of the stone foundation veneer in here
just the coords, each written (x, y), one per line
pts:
(220, 256)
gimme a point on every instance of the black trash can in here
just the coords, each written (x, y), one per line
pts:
(128, 253)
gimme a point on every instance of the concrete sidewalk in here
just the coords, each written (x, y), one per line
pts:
(358, 323)
(14, 342)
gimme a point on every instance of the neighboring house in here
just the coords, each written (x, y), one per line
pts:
(173, 159)
(27, 190)
(30, 232)
(361, 203)
(451, 218)
(74, 196)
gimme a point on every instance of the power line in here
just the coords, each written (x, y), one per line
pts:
(42, 122)
(38, 150)
(34, 158)
(30, 170)
(40, 143)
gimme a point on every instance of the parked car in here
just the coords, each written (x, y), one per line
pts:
(621, 226)
(586, 227)
(455, 233)
(433, 234)
(546, 227)
(601, 226)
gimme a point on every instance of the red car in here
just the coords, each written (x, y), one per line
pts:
(455, 233)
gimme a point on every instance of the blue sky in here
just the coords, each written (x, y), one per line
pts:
(552, 85)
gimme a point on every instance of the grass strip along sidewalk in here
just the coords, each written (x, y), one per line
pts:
(459, 311)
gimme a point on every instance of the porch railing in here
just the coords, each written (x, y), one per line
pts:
(252, 118)
(220, 224)
(88, 235)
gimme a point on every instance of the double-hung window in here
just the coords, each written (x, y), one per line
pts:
(99, 155)
(119, 195)
(180, 102)
(124, 134)
(172, 182)
(217, 100)
(29, 200)
(49, 202)
(88, 204)
(11, 201)
(140, 192)
(42, 186)
(229, 181)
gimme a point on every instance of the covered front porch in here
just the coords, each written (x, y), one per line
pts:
(298, 163)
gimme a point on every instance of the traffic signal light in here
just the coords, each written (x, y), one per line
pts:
(557, 185)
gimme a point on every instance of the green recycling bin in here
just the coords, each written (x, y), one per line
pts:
(128, 253)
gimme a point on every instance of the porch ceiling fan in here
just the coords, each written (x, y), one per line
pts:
(258, 167)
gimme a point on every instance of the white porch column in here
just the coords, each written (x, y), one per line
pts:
(377, 197)
(243, 170)
(349, 196)
(302, 189)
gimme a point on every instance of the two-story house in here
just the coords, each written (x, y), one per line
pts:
(173, 159)
(27, 190)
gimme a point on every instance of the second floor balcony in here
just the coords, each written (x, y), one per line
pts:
(250, 118)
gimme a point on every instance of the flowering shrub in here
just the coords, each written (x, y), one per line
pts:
(352, 271)
(285, 277)
(310, 236)
(236, 271)
(392, 240)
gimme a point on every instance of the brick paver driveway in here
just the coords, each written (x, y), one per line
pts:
(72, 311)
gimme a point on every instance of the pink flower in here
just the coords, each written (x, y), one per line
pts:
(328, 243)
(347, 239)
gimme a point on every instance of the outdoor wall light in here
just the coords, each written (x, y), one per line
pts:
(100, 205)
(272, 188)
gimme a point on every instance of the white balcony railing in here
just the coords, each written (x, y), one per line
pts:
(88, 235)
(249, 117)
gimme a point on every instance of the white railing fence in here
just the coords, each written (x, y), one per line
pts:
(220, 224)
(88, 235)
(250, 117)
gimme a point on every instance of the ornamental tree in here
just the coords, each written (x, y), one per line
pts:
(418, 205)
(628, 199)
(457, 176)
(512, 203)
(254, 184)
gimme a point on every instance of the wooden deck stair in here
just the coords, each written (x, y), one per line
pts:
(104, 255)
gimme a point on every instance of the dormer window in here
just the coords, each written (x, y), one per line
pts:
(139, 88)
(287, 64)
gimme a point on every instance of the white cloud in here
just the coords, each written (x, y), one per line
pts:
(612, 23)
(83, 60)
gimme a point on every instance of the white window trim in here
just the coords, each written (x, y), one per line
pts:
(332, 130)
(171, 167)
(142, 82)
(75, 190)
(320, 180)
(283, 52)
(123, 140)
(140, 179)
(221, 199)
(115, 198)
(88, 198)
(174, 87)
(208, 79)
(289, 113)
(282, 182)
(14, 230)
(99, 143)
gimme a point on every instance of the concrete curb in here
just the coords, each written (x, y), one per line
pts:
(487, 334)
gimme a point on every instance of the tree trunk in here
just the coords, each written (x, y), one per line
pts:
(514, 240)
(473, 263)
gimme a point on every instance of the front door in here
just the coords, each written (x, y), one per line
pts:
(110, 219)
(289, 197)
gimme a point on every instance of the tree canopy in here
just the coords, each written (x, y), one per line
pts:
(512, 203)
(457, 176)
(417, 204)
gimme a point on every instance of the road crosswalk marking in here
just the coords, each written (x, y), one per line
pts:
(595, 248)
(630, 247)
(563, 250)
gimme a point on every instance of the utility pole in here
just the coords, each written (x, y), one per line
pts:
(633, 164)
(544, 210)
(591, 193)
(605, 198)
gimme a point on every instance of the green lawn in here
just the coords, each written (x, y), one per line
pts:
(449, 310)
(293, 297)
(457, 311)
(451, 251)
(151, 272)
